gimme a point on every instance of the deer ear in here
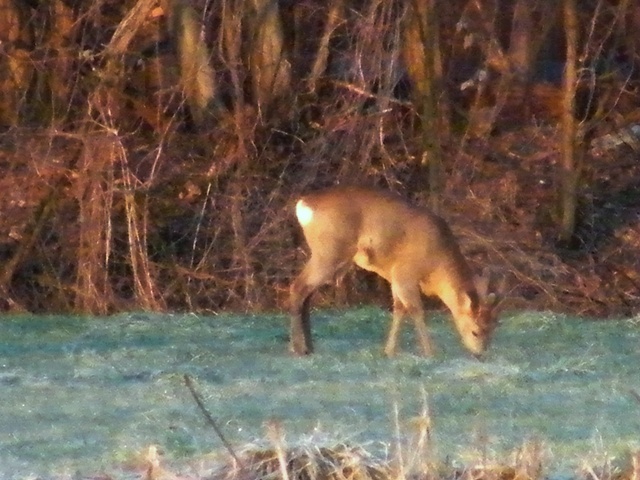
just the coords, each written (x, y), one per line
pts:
(482, 283)
(491, 299)
(498, 294)
(470, 302)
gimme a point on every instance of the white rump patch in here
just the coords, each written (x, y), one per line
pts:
(304, 213)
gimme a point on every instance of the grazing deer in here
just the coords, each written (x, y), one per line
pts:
(410, 247)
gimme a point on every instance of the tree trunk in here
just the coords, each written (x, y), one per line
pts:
(530, 25)
(421, 55)
(570, 162)
(520, 42)
(95, 182)
(632, 39)
(270, 69)
(196, 74)
(16, 64)
(107, 97)
(334, 16)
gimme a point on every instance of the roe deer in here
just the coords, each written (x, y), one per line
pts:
(410, 247)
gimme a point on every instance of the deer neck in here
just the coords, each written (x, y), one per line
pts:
(454, 285)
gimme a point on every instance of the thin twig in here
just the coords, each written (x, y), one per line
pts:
(188, 381)
(401, 475)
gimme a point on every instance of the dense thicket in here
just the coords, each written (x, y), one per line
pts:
(150, 149)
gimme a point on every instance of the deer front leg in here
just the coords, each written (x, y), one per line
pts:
(394, 330)
(407, 301)
(422, 333)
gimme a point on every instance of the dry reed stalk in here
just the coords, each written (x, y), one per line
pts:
(144, 285)
(95, 187)
(276, 436)
(401, 473)
(635, 466)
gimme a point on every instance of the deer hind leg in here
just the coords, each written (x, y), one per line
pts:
(317, 272)
(422, 333)
(407, 301)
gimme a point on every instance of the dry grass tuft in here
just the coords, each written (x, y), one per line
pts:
(340, 462)
(347, 462)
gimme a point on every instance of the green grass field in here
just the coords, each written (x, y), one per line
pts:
(79, 396)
